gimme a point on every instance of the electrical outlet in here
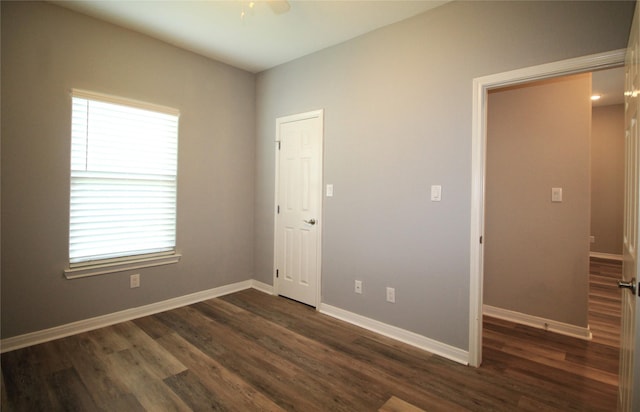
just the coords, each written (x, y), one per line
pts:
(592, 239)
(358, 286)
(391, 295)
(134, 281)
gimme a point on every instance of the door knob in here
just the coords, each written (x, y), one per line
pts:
(310, 221)
(628, 285)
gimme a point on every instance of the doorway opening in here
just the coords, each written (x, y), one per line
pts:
(482, 86)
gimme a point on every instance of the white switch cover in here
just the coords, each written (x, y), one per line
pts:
(391, 295)
(436, 193)
(556, 194)
(329, 190)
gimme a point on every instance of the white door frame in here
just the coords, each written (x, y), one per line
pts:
(481, 86)
(292, 118)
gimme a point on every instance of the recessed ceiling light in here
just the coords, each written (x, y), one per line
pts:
(596, 97)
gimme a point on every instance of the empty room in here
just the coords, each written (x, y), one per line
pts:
(279, 205)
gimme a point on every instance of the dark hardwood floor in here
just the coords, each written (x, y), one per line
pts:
(605, 301)
(251, 351)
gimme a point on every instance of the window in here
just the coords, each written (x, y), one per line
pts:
(123, 184)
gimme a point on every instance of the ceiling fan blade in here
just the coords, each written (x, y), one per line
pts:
(279, 6)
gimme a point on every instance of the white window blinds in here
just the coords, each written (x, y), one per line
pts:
(124, 158)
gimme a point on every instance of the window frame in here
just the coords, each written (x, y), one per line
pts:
(130, 262)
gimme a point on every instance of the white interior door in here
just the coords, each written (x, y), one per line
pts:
(630, 333)
(298, 206)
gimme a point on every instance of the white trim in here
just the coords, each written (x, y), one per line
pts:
(476, 261)
(34, 338)
(85, 325)
(539, 323)
(393, 332)
(83, 271)
(262, 287)
(481, 86)
(109, 98)
(601, 255)
(286, 119)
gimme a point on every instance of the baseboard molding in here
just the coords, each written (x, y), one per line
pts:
(262, 287)
(411, 338)
(34, 338)
(538, 322)
(610, 256)
(402, 335)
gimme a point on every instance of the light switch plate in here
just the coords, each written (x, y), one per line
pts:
(329, 190)
(556, 194)
(391, 295)
(436, 193)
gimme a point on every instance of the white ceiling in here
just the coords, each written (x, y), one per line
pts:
(261, 40)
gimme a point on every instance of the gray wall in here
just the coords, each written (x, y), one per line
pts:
(398, 119)
(536, 253)
(607, 178)
(46, 51)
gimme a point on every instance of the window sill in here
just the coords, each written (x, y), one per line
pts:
(121, 266)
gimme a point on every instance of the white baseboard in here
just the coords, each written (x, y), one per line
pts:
(610, 256)
(34, 338)
(538, 322)
(262, 287)
(402, 335)
(411, 338)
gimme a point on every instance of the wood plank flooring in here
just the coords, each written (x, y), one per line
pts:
(605, 301)
(251, 351)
